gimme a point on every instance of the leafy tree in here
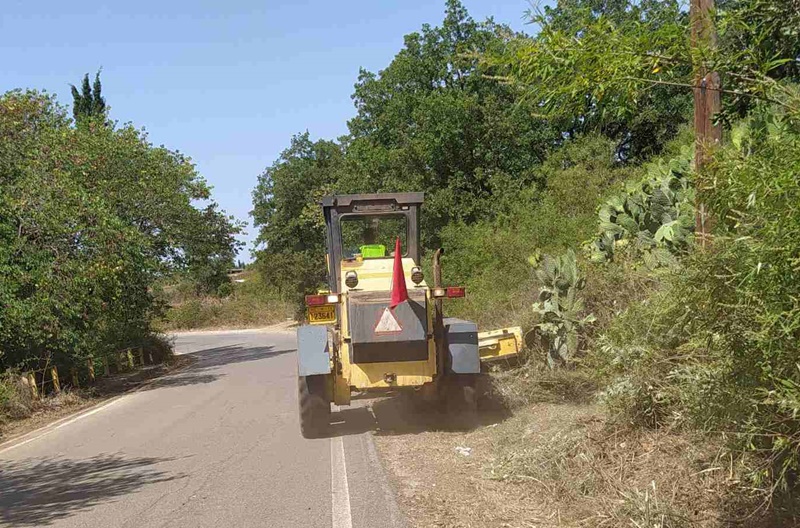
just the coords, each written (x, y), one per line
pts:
(90, 218)
(209, 248)
(433, 121)
(584, 69)
(626, 67)
(89, 101)
(287, 211)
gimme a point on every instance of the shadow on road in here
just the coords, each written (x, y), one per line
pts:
(40, 491)
(400, 414)
(226, 355)
(205, 364)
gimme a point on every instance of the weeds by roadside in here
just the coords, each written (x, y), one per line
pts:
(248, 304)
(535, 383)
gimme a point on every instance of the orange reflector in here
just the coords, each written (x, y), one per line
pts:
(456, 291)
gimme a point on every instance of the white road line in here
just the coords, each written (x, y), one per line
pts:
(340, 492)
(58, 424)
(44, 431)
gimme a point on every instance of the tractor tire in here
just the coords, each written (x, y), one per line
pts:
(315, 409)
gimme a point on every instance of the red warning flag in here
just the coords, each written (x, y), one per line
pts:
(399, 291)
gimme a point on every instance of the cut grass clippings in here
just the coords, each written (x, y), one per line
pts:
(559, 462)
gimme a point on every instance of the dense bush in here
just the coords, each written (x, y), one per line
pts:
(496, 259)
(90, 217)
(717, 347)
(249, 304)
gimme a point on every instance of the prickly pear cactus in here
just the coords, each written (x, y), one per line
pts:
(560, 307)
(654, 216)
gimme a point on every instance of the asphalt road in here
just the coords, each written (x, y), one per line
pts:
(214, 445)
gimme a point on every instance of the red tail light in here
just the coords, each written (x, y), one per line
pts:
(322, 299)
(316, 300)
(456, 291)
(450, 292)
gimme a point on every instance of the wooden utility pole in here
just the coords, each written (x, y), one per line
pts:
(707, 103)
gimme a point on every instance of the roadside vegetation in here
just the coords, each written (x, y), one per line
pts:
(92, 217)
(559, 177)
(245, 302)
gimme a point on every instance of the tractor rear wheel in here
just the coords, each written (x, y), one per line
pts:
(315, 409)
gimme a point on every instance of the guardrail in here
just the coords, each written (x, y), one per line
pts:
(47, 381)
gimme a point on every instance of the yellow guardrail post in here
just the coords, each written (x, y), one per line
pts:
(129, 357)
(32, 383)
(54, 376)
(29, 380)
(90, 369)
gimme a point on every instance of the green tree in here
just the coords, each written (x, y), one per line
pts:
(90, 218)
(584, 69)
(89, 101)
(209, 248)
(626, 67)
(286, 209)
(433, 121)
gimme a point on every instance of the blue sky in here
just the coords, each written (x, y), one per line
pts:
(226, 82)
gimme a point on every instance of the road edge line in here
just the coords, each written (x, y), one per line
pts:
(341, 515)
(46, 429)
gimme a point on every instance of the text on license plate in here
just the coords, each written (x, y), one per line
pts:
(322, 314)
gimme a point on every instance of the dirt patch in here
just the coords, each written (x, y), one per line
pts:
(447, 479)
(556, 464)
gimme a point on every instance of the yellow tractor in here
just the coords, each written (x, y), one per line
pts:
(379, 326)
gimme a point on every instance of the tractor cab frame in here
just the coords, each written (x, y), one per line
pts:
(343, 207)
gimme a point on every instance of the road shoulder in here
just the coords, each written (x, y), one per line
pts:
(54, 411)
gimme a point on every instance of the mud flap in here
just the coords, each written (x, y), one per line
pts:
(313, 356)
(462, 345)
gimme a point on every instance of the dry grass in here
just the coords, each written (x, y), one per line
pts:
(592, 475)
(559, 462)
(230, 312)
(250, 305)
(21, 413)
(535, 383)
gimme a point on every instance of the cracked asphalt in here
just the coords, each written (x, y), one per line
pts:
(214, 445)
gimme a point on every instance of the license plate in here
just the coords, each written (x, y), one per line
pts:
(322, 314)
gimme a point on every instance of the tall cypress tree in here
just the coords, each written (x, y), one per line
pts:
(88, 102)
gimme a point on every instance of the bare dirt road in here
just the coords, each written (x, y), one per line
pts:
(214, 445)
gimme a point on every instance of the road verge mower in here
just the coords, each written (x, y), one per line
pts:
(379, 326)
